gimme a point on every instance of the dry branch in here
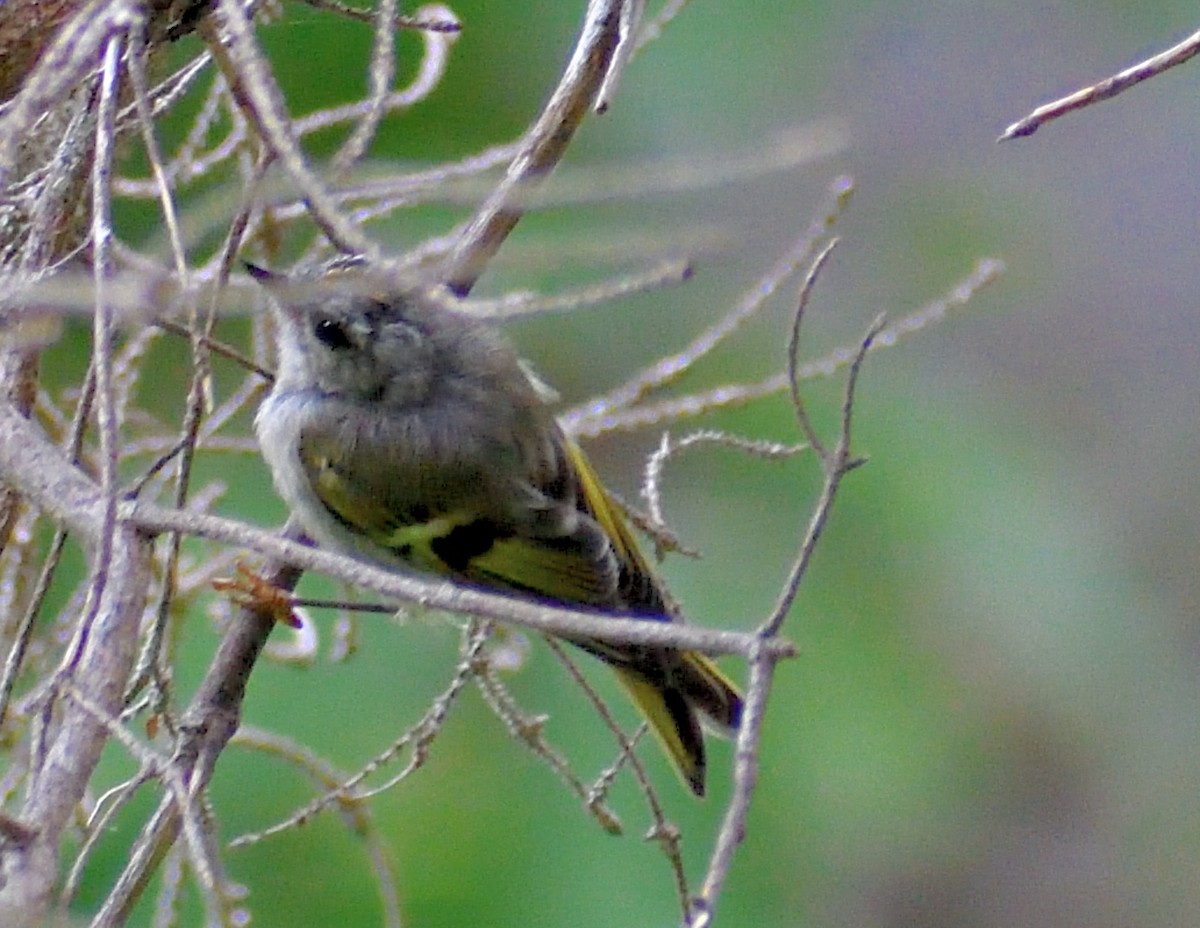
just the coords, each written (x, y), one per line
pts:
(1105, 89)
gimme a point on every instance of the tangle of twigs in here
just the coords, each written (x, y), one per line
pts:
(78, 86)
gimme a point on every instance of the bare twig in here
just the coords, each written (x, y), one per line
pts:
(419, 737)
(662, 831)
(106, 808)
(206, 727)
(584, 424)
(356, 814)
(666, 273)
(102, 344)
(529, 730)
(793, 353)
(630, 26)
(253, 86)
(1105, 89)
(443, 594)
(149, 665)
(668, 448)
(745, 778)
(542, 148)
(73, 745)
(836, 464)
(382, 71)
(600, 413)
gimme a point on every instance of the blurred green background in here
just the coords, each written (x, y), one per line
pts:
(994, 718)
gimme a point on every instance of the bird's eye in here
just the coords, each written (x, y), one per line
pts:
(332, 334)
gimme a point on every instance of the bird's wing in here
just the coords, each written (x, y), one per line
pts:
(532, 543)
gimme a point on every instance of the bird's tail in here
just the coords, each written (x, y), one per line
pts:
(692, 686)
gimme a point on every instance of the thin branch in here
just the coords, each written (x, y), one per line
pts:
(24, 630)
(149, 664)
(462, 182)
(381, 72)
(583, 423)
(357, 815)
(137, 74)
(793, 351)
(529, 730)
(836, 464)
(662, 831)
(446, 595)
(630, 25)
(61, 68)
(666, 273)
(98, 824)
(206, 727)
(745, 778)
(253, 86)
(102, 347)
(382, 100)
(543, 147)
(430, 18)
(1105, 89)
(419, 737)
(593, 418)
(651, 490)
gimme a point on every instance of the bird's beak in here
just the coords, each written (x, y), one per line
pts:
(268, 279)
(281, 288)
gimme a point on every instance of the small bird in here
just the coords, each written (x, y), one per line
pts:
(411, 435)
